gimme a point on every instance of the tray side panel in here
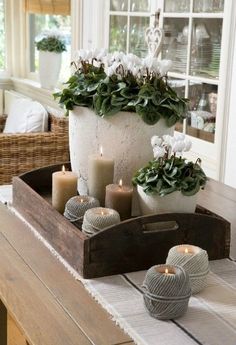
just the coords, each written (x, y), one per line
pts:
(64, 237)
(130, 246)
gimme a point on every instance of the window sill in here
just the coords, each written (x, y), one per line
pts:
(33, 90)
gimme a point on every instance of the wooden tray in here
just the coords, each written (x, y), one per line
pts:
(128, 246)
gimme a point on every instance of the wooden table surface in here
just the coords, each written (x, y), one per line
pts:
(47, 303)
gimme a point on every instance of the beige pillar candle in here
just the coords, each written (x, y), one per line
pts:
(100, 174)
(119, 198)
(64, 186)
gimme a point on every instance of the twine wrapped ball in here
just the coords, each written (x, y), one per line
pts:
(99, 218)
(77, 206)
(166, 295)
(194, 260)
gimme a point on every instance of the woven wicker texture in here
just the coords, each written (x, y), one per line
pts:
(166, 296)
(196, 264)
(23, 152)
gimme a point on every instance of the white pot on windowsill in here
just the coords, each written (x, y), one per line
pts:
(49, 69)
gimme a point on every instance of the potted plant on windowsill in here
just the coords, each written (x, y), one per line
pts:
(169, 183)
(50, 45)
(118, 101)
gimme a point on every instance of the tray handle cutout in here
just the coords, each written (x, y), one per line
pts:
(152, 227)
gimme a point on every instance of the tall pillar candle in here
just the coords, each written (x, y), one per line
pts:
(64, 186)
(119, 198)
(100, 174)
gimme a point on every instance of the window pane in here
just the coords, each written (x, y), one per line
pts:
(2, 35)
(202, 110)
(177, 5)
(137, 44)
(176, 43)
(208, 5)
(39, 23)
(118, 5)
(206, 47)
(140, 5)
(118, 33)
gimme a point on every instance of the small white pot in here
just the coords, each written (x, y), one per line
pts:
(49, 69)
(174, 202)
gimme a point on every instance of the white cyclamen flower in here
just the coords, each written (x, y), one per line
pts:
(101, 54)
(164, 66)
(179, 136)
(178, 147)
(168, 140)
(158, 152)
(156, 141)
(188, 144)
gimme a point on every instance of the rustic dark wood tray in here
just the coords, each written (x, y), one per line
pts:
(128, 246)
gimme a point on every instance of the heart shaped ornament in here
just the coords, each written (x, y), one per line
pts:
(154, 38)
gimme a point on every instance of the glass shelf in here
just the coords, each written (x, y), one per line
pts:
(202, 110)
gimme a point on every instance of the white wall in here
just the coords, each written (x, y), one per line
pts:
(230, 165)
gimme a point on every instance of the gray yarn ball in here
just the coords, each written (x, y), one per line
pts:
(166, 296)
(76, 207)
(195, 263)
(94, 221)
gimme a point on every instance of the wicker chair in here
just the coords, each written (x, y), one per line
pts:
(26, 151)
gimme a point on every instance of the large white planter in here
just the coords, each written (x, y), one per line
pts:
(174, 202)
(123, 136)
(49, 69)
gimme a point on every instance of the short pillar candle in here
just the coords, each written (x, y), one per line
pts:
(166, 291)
(119, 198)
(100, 174)
(194, 260)
(64, 186)
(98, 218)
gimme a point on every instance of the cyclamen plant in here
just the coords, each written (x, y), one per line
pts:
(109, 83)
(50, 41)
(169, 171)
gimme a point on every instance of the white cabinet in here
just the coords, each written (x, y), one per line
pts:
(197, 41)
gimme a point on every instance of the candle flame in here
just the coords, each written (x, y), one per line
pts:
(120, 183)
(166, 271)
(102, 213)
(101, 151)
(82, 200)
(186, 250)
(63, 169)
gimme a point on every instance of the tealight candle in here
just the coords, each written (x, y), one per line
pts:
(119, 197)
(98, 218)
(194, 260)
(100, 174)
(77, 206)
(64, 186)
(166, 291)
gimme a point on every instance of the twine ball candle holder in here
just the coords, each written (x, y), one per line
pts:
(98, 218)
(166, 291)
(194, 260)
(77, 206)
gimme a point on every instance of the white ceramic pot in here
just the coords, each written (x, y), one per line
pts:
(174, 202)
(49, 69)
(123, 136)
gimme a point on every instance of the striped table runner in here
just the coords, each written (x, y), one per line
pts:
(210, 319)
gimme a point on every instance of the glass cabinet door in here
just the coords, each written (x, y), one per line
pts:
(192, 40)
(128, 22)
